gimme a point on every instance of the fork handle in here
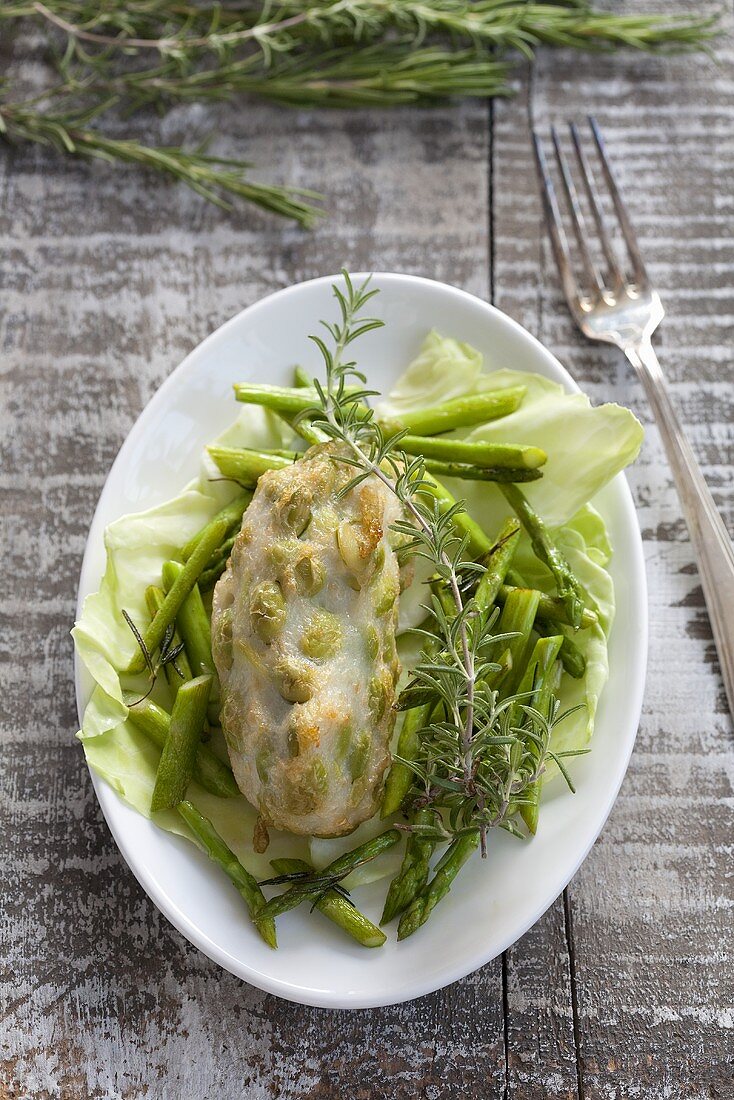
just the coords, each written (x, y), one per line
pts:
(711, 542)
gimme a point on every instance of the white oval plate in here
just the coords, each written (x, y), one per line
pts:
(493, 902)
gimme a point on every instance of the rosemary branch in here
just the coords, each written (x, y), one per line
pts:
(132, 54)
(479, 753)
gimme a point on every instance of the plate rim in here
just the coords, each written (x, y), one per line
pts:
(107, 796)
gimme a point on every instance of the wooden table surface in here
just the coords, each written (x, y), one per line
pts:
(107, 279)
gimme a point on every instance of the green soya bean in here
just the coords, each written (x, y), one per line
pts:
(231, 514)
(337, 908)
(496, 564)
(474, 452)
(209, 771)
(413, 873)
(295, 510)
(456, 855)
(179, 590)
(476, 408)
(267, 611)
(293, 680)
(322, 635)
(155, 598)
(517, 617)
(400, 777)
(176, 766)
(195, 629)
(358, 755)
(221, 854)
(309, 574)
(337, 869)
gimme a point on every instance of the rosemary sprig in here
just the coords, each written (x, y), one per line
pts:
(214, 178)
(167, 654)
(480, 755)
(133, 54)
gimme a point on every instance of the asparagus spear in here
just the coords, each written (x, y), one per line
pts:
(212, 773)
(247, 466)
(477, 408)
(465, 472)
(231, 514)
(334, 872)
(517, 617)
(220, 853)
(176, 765)
(550, 608)
(538, 684)
(496, 564)
(474, 453)
(478, 544)
(460, 412)
(569, 589)
(154, 598)
(217, 565)
(419, 910)
(178, 592)
(570, 655)
(301, 378)
(413, 873)
(400, 777)
(337, 908)
(195, 629)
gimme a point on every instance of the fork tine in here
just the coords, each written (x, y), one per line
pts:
(555, 227)
(579, 224)
(596, 208)
(626, 225)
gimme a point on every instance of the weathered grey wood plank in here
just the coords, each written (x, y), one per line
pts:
(651, 906)
(105, 284)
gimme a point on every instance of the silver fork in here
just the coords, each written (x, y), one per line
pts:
(624, 309)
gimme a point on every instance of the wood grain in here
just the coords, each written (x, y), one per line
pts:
(106, 281)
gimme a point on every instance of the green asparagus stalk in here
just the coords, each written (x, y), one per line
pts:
(511, 455)
(178, 592)
(247, 466)
(301, 378)
(155, 598)
(195, 629)
(400, 777)
(287, 401)
(517, 618)
(337, 908)
(460, 412)
(478, 544)
(465, 472)
(538, 684)
(419, 910)
(209, 771)
(570, 655)
(550, 608)
(569, 589)
(413, 873)
(496, 563)
(231, 514)
(178, 758)
(220, 853)
(217, 565)
(334, 872)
